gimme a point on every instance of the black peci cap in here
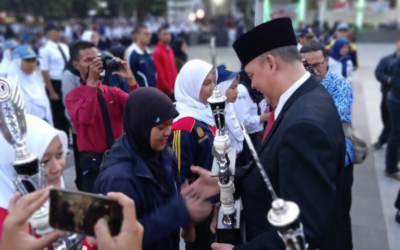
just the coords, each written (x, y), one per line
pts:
(263, 38)
(51, 26)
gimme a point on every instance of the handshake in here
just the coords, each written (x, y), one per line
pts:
(17, 236)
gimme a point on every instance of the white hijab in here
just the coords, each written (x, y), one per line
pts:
(33, 91)
(231, 121)
(187, 92)
(87, 36)
(6, 62)
(39, 135)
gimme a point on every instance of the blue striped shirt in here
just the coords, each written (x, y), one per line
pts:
(342, 95)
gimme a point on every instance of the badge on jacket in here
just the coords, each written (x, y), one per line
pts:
(200, 132)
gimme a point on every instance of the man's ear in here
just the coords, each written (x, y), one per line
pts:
(270, 62)
(75, 64)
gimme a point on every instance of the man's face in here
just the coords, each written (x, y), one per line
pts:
(86, 56)
(318, 62)
(262, 72)
(165, 36)
(306, 39)
(342, 33)
(54, 35)
(144, 37)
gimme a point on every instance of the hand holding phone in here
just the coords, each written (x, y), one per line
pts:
(79, 212)
(131, 235)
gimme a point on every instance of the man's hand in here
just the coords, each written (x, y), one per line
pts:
(198, 209)
(124, 71)
(16, 234)
(95, 68)
(54, 96)
(131, 235)
(204, 187)
(219, 246)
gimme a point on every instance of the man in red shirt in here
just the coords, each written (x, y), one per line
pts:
(96, 110)
(164, 61)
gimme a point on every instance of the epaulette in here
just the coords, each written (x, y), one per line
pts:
(353, 47)
(185, 124)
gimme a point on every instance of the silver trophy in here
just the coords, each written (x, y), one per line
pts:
(284, 215)
(29, 173)
(229, 227)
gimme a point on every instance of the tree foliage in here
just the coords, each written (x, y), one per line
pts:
(66, 9)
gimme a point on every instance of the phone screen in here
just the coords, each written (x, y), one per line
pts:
(78, 212)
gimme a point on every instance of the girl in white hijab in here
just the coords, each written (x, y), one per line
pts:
(48, 143)
(194, 131)
(22, 71)
(90, 36)
(228, 85)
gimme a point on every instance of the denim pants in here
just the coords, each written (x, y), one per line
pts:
(392, 151)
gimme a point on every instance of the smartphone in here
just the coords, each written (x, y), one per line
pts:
(79, 212)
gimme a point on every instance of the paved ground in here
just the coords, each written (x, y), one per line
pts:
(373, 212)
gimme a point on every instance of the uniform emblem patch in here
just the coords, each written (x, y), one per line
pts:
(200, 132)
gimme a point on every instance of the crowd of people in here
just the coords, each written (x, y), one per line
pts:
(142, 133)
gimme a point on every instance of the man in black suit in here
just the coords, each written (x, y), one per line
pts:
(303, 151)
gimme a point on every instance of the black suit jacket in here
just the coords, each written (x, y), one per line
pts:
(304, 155)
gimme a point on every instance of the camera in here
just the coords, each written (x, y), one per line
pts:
(308, 67)
(109, 64)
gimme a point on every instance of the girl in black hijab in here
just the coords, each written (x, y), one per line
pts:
(142, 166)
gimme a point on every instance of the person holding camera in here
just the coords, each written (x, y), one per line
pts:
(96, 109)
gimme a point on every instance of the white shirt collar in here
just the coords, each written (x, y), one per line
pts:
(139, 50)
(289, 92)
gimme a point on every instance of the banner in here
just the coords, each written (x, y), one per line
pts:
(284, 10)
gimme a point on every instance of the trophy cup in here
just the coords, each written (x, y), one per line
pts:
(29, 173)
(229, 225)
(284, 215)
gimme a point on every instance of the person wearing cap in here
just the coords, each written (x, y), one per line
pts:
(303, 150)
(53, 58)
(343, 31)
(23, 66)
(9, 47)
(305, 36)
(227, 83)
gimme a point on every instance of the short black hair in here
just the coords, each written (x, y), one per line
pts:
(314, 46)
(161, 29)
(139, 29)
(77, 47)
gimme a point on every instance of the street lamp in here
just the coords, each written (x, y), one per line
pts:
(218, 2)
(200, 13)
(103, 4)
(192, 17)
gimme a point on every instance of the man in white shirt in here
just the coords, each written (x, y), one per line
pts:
(53, 59)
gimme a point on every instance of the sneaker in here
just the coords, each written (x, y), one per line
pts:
(395, 175)
(377, 145)
(398, 216)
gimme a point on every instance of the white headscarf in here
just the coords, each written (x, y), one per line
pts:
(39, 135)
(187, 92)
(33, 91)
(231, 121)
(6, 62)
(87, 36)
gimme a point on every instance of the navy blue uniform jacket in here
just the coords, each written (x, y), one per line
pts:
(123, 170)
(192, 142)
(303, 156)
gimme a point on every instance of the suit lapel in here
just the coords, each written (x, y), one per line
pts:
(308, 85)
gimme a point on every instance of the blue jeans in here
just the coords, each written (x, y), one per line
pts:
(393, 104)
